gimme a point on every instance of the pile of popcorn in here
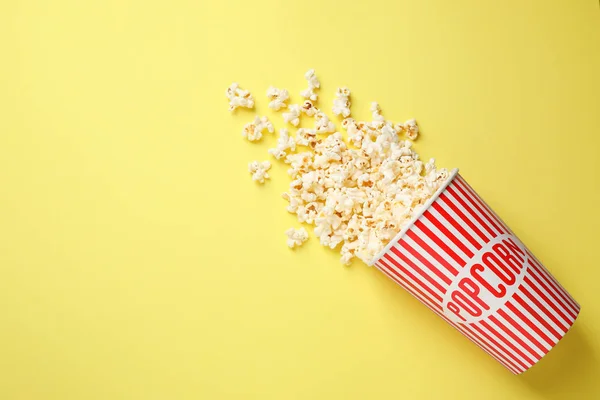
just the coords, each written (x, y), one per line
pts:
(358, 193)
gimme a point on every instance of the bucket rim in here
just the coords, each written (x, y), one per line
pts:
(415, 217)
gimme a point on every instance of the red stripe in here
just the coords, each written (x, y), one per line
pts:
(544, 309)
(441, 244)
(530, 324)
(438, 207)
(506, 358)
(419, 270)
(427, 288)
(550, 303)
(541, 320)
(514, 337)
(424, 261)
(474, 199)
(482, 344)
(413, 235)
(559, 288)
(472, 203)
(534, 274)
(523, 331)
(498, 345)
(506, 341)
(431, 218)
(552, 282)
(485, 347)
(469, 211)
(403, 282)
(486, 207)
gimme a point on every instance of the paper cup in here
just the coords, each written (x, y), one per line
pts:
(460, 260)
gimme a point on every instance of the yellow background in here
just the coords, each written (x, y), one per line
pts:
(139, 261)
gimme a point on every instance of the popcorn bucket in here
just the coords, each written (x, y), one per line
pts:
(460, 260)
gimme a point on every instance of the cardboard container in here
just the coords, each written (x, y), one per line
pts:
(460, 260)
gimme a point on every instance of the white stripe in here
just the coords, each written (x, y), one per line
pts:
(553, 279)
(424, 253)
(417, 275)
(523, 324)
(540, 312)
(423, 236)
(495, 217)
(518, 334)
(462, 224)
(471, 203)
(508, 354)
(488, 348)
(455, 232)
(418, 263)
(482, 205)
(545, 304)
(557, 291)
(470, 214)
(435, 231)
(558, 304)
(513, 354)
(555, 285)
(535, 321)
(484, 346)
(397, 276)
(506, 360)
(493, 214)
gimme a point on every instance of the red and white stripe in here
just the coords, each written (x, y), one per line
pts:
(427, 258)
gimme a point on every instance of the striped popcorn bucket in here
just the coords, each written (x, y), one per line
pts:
(462, 261)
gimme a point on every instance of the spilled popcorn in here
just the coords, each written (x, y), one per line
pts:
(358, 191)
(293, 115)
(253, 130)
(259, 170)
(308, 108)
(284, 142)
(278, 98)
(313, 83)
(296, 237)
(238, 97)
(341, 104)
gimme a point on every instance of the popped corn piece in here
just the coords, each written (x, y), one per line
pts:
(278, 98)
(355, 134)
(313, 83)
(341, 103)
(307, 137)
(327, 224)
(296, 237)
(323, 124)
(347, 252)
(238, 97)
(412, 129)
(308, 108)
(430, 166)
(253, 130)
(300, 163)
(284, 142)
(376, 111)
(399, 127)
(293, 115)
(307, 213)
(259, 170)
